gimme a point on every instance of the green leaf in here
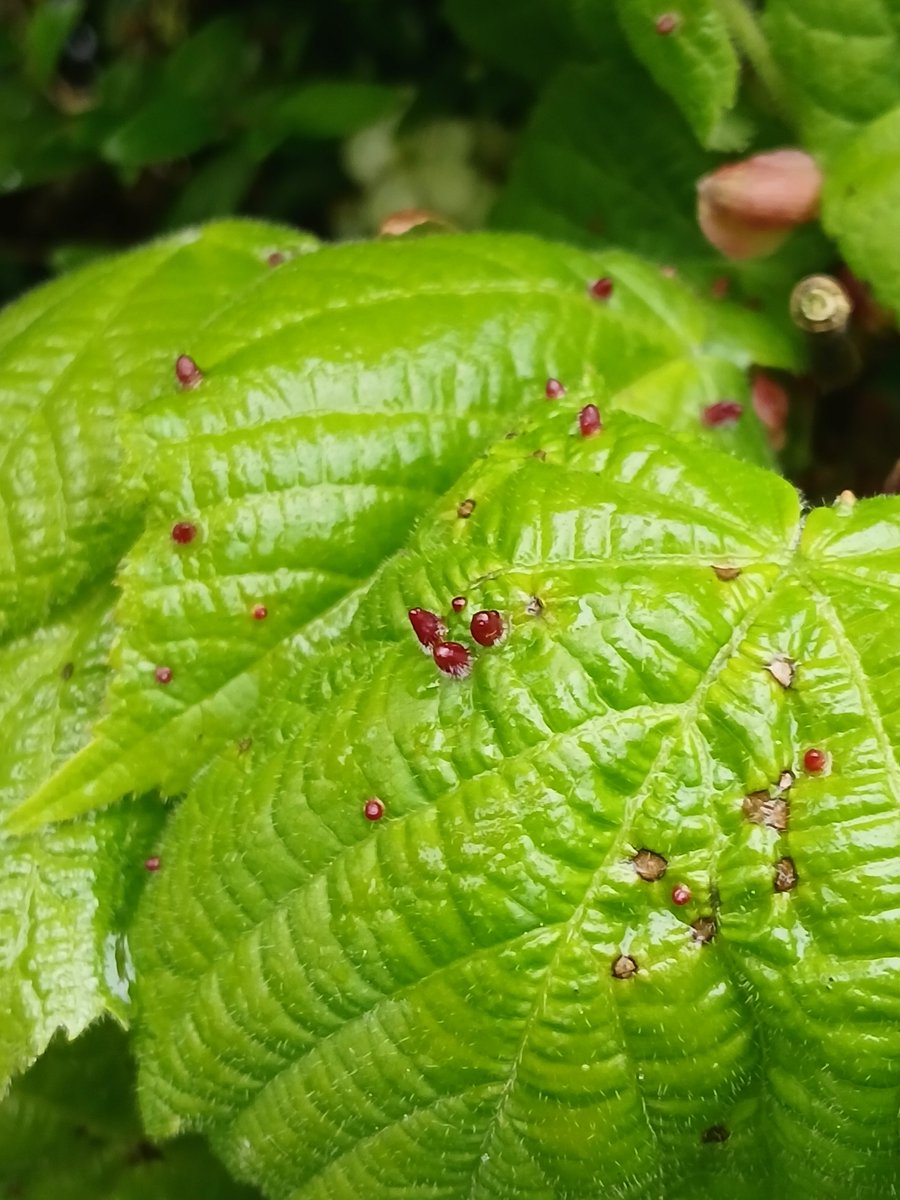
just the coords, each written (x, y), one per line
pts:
(46, 34)
(66, 893)
(528, 37)
(335, 110)
(77, 355)
(69, 1131)
(338, 400)
(170, 125)
(841, 63)
(428, 1004)
(589, 169)
(695, 62)
(860, 205)
(592, 172)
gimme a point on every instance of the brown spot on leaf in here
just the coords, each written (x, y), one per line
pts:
(624, 967)
(785, 875)
(649, 865)
(785, 780)
(541, 454)
(244, 745)
(782, 670)
(763, 809)
(535, 606)
(465, 508)
(68, 670)
(726, 574)
(715, 1133)
(703, 930)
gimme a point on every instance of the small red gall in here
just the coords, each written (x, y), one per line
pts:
(720, 287)
(815, 761)
(183, 532)
(554, 390)
(187, 372)
(601, 289)
(163, 675)
(276, 258)
(458, 603)
(427, 626)
(667, 23)
(723, 412)
(589, 421)
(453, 659)
(681, 894)
(373, 809)
(486, 627)
(153, 863)
(260, 612)
(668, 272)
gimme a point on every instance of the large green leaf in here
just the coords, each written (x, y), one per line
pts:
(69, 1130)
(338, 401)
(441, 1003)
(841, 63)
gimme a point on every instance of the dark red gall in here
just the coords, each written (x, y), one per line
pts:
(453, 659)
(427, 626)
(554, 390)
(601, 289)
(183, 532)
(486, 627)
(260, 612)
(275, 259)
(187, 372)
(681, 894)
(153, 863)
(163, 675)
(373, 809)
(723, 412)
(667, 23)
(458, 603)
(589, 421)
(815, 761)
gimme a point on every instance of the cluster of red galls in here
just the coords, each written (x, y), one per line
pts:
(453, 658)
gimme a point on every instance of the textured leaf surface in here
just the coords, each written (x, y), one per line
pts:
(69, 1130)
(74, 357)
(338, 401)
(695, 62)
(546, 34)
(66, 893)
(861, 203)
(841, 62)
(426, 1005)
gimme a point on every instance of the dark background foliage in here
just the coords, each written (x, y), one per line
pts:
(122, 118)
